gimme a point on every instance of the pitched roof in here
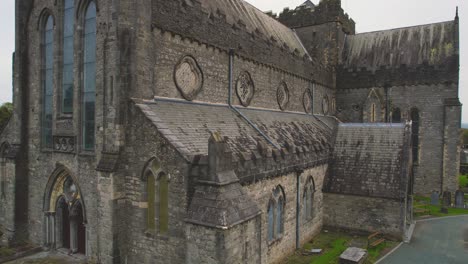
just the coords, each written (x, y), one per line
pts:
(255, 20)
(368, 160)
(188, 126)
(433, 44)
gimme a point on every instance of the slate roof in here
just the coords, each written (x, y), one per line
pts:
(188, 126)
(368, 160)
(433, 44)
(230, 24)
(254, 19)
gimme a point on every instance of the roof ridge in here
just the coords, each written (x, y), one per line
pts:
(400, 28)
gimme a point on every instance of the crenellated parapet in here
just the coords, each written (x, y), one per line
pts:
(402, 75)
(325, 12)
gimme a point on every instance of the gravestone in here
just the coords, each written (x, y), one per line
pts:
(435, 198)
(447, 199)
(353, 255)
(459, 199)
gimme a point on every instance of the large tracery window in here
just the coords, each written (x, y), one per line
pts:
(47, 81)
(68, 53)
(89, 78)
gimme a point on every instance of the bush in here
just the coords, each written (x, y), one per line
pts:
(463, 181)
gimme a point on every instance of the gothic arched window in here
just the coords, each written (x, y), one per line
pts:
(89, 78)
(163, 184)
(47, 80)
(415, 118)
(151, 194)
(276, 214)
(68, 53)
(271, 220)
(309, 191)
(156, 196)
(373, 114)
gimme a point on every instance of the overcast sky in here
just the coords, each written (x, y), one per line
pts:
(370, 15)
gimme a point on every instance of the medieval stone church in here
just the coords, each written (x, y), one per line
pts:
(207, 131)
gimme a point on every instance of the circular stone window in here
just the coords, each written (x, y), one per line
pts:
(307, 100)
(188, 77)
(245, 88)
(282, 95)
(325, 105)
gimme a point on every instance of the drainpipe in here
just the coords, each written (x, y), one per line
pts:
(231, 60)
(298, 207)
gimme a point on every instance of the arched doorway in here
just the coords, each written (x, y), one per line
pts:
(64, 212)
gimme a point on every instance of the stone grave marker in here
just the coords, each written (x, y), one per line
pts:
(447, 199)
(460, 199)
(353, 255)
(435, 198)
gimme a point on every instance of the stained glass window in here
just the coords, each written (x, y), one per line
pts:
(68, 59)
(47, 81)
(89, 78)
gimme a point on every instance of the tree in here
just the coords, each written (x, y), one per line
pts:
(6, 110)
(465, 136)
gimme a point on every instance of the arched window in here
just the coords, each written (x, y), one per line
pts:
(271, 220)
(276, 214)
(47, 81)
(309, 190)
(68, 53)
(373, 114)
(163, 203)
(415, 133)
(89, 78)
(279, 217)
(396, 115)
(157, 197)
(151, 194)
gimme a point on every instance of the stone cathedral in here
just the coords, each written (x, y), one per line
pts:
(207, 131)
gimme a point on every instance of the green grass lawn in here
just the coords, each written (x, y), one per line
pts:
(423, 204)
(333, 245)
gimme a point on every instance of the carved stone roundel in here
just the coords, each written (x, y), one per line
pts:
(188, 77)
(325, 105)
(245, 88)
(282, 95)
(307, 101)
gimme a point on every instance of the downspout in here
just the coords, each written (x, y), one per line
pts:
(231, 61)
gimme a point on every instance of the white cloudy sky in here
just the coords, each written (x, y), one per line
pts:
(370, 15)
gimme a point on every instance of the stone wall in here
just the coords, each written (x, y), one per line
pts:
(363, 213)
(170, 48)
(7, 201)
(261, 192)
(138, 244)
(430, 101)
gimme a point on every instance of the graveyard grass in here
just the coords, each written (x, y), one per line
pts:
(423, 208)
(333, 244)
